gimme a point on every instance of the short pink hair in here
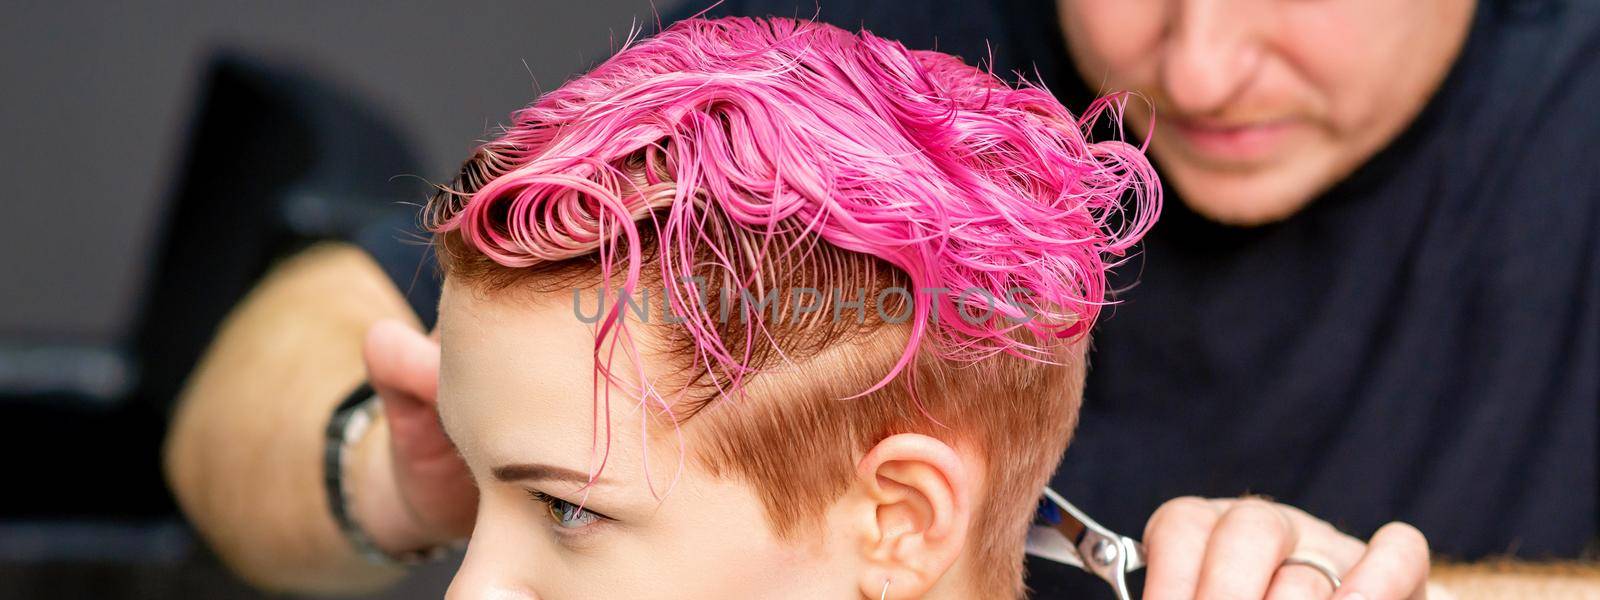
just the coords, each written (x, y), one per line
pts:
(758, 150)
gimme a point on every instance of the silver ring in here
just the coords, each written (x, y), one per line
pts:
(1324, 568)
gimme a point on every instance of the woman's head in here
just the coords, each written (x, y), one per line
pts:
(860, 281)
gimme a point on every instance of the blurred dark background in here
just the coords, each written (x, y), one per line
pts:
(159, 158)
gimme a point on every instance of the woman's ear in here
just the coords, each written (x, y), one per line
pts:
(917, 497)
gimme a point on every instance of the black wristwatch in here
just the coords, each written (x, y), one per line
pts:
(349, 422)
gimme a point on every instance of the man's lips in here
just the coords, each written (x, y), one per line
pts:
(1234, 142)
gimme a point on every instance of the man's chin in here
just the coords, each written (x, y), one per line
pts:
(1244, 199)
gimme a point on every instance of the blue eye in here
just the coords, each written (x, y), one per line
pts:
(565, 514)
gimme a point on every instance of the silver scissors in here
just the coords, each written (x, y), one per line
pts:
(1066, 535)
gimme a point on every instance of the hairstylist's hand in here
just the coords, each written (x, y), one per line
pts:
(1235, 549)
(414, 491)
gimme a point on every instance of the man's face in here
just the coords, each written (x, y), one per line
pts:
(516, 385)
(1263, 104)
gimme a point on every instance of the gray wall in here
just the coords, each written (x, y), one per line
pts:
(96, 98)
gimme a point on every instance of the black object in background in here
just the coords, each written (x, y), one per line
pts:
(275, 159)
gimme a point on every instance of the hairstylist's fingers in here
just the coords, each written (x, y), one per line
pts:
(402, 363)
(403, 367)
(1249, 543)
(1175, 544)
(1395, 567)
(434, 483)
(1322, 539)
(1301, 582)
(1319, 542)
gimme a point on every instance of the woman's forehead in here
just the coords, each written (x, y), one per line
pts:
(518, 378)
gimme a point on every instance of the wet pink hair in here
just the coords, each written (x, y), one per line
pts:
(798, 130)
(766, 153)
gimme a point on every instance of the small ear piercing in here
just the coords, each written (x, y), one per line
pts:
(885, 593)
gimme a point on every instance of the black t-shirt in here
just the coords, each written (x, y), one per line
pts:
(1422, 343)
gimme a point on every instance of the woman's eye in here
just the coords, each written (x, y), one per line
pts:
(565, 514)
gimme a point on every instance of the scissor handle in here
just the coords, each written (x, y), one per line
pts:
(1098, 550)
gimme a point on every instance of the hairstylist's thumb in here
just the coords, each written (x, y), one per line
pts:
(402, 363)
(434, 485)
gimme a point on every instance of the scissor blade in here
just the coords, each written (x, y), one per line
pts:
(1049, 543)
(1071, 527)
(1059, 541)
(1072, 538)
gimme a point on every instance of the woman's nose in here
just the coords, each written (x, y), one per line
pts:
(1210, 53)
(489, 575)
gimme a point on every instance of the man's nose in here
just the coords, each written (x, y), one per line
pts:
(1211, 52)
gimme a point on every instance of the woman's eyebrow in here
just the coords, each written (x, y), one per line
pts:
(542, 472)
